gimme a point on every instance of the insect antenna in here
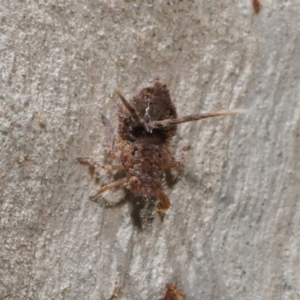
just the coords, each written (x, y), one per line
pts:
(137, 120)
(194, 117)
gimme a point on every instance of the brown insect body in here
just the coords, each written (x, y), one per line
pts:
(145, 155)
(150, 103)
(144, 164)
(146, 124)
(172, 292)
(256, 6)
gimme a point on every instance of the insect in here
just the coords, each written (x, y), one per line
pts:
(172, 292)
(115, 294)
(147, 122)
(256, 6)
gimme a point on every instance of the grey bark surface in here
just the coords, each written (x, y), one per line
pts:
(232, 231)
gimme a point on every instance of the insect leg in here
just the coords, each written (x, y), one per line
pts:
(109, 186)
(109, 137)
(164, 201)
(96, 164)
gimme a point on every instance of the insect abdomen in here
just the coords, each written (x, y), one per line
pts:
(144, 163)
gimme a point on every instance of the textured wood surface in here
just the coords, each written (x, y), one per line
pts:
(232, 231)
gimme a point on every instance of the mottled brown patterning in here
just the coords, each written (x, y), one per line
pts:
(172, 292)
(146, 125)
(256, 6)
